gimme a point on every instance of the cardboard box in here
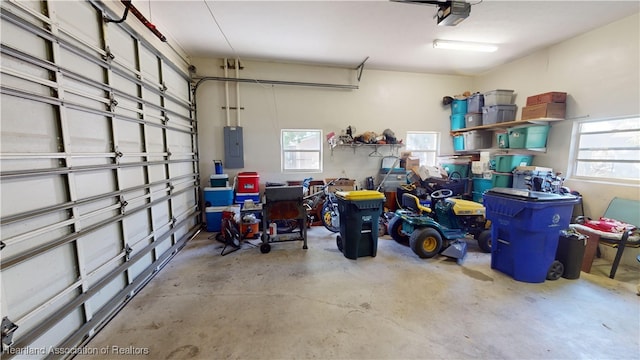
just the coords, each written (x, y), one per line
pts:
(341, 185)
(547, 110)
(549, 97)
(411, 162)
(404, 155)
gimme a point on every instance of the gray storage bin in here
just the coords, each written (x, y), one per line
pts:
(477, 139)
(498, 113)
(498, 97)
(473, 119)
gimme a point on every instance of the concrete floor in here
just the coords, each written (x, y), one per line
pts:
(297, 304)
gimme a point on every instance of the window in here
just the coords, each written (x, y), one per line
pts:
(301, 150)
(424, 145)
(607, 150)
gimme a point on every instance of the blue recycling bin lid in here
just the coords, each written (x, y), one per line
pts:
(528, 195)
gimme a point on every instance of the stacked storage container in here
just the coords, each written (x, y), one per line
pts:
(548, 105)
(248, 187)
(473, 116)
(504, 167)
(458, 110)
(498, 107)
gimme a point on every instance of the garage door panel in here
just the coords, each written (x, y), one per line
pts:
(132, 176)
(89, 132)
(22, 75)
(42, 230)
(177, 82)
(81, 20)
(124, 84)
(97, 211)
(100, 246)
(140, 265)
(100, 298)
(130, 138)
(163, 246)
(28, 284)
(19, 38)
(43, 192)
(122, 46)
(137, 227)
(95, 183)
(150, 67)
(127, 109)
(181, 168)
(156, 172)
(82, 66)
(27, 126)
(65, 232)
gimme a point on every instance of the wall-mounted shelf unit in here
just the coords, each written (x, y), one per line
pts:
(509, 124)
(393, 148)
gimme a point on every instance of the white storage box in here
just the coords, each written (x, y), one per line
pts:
(498, 97)
(477, 139)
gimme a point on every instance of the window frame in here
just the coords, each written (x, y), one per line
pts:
(574, 157)
(283, 151)
(436, 152)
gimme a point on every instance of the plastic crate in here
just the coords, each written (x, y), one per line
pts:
(475, 103)
(525, 230)
(502, 139)
(498, 113)
(457, 121)
(481, 185)
(458, 143)
(473, 119)
(477, 139)
(498, 97)
(508, 163)
(461, 169)
(528, 137)
(459, 107)
(501, 180)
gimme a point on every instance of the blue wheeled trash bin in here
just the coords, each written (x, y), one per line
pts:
(359, 211)
(525, 227)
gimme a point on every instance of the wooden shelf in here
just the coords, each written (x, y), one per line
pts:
(510, 124)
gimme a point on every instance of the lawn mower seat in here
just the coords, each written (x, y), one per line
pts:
(411, 202)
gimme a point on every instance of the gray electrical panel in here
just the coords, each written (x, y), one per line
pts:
(233, 147)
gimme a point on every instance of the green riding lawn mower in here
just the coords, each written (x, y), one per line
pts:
(442, 227)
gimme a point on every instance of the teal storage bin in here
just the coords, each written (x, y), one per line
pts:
(504, 180)
(457, 121)
(481, 185)
(502, 140)
(508, 163)
(528, 137)
(459, 107)
(462, 169)
(458, 143)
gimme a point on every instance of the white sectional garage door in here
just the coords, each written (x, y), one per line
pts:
(99, 171)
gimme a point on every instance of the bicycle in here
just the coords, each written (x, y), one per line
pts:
(329, 215)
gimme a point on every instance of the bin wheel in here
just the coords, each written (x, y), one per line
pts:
(339, 242)
(265, 248)
(555, 270)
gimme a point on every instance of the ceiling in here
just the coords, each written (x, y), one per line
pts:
(393, 35)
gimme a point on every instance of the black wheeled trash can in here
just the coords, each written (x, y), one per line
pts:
(571, 245)
(359, 211)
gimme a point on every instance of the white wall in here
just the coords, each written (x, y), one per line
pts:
(600, 73)
(385, 99)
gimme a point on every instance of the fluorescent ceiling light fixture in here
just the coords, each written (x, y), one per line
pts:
(465, 46)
